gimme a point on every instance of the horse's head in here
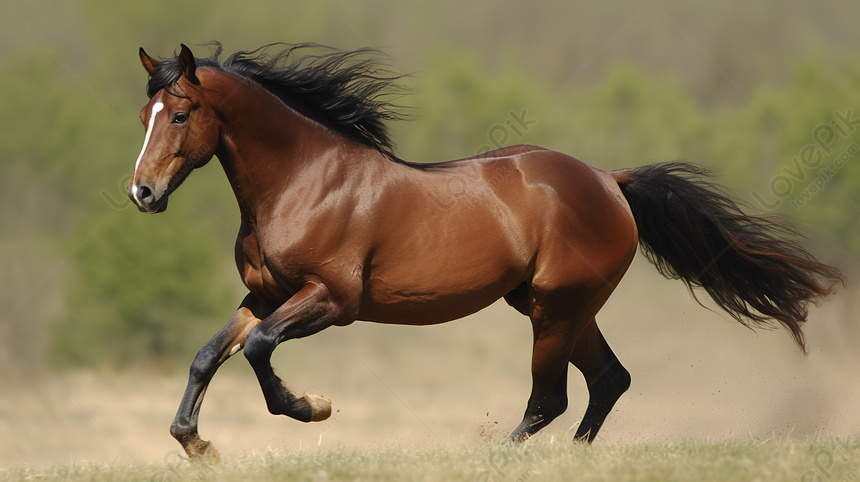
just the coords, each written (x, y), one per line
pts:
(182, 130)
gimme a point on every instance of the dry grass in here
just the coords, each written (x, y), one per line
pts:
(539, 460)
(434, 402)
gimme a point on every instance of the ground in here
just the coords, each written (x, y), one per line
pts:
(706, 392)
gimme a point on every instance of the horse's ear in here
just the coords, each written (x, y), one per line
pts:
(148, 62)
(188, 64)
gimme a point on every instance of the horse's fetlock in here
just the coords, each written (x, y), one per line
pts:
(554, 406)
(619, 380)
(182, 432)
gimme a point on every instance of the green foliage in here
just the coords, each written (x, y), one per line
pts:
(816, 147)
(146, 288)
(632, 118)
(760, 150)
(465, 111)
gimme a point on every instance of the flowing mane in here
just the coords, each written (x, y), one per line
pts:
(344, 90)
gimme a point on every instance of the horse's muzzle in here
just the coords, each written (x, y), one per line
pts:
(147, 200)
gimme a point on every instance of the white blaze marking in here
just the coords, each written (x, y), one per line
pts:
(156, 108)
(235, 349)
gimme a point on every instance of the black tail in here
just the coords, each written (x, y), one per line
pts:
(752, 266)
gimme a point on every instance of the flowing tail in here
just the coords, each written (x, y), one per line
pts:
(752, 266)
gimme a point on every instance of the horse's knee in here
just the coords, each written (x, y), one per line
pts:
(205, 363)
(258, 346)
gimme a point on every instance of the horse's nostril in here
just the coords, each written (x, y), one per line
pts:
(144, 193)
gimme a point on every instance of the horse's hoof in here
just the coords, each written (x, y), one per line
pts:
(203, 451)
(320, 407)
(210, 455)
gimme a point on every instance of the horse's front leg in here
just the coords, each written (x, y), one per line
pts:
(312, 309)
(229, 340)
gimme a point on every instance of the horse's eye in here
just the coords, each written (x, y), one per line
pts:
(180, 118)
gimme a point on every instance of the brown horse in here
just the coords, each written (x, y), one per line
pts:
(335, 228)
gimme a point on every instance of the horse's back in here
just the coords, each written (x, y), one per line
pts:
(474, 229)
(568, 198)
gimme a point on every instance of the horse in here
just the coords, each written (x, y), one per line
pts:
(336, 228)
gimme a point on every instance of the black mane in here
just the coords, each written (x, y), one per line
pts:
(344, 90)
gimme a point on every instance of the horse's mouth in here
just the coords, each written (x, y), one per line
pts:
(158, 206)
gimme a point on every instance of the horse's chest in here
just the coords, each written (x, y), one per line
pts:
(265, 284)
(259, 277)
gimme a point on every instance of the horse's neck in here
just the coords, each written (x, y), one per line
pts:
(266, 147)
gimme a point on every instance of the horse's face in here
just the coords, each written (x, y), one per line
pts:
(182, 133)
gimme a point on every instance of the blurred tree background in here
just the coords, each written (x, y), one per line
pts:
(765, 93)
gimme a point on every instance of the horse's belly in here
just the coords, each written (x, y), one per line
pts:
(431, 296)
(419, 310)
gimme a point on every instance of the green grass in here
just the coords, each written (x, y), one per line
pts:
(822, 459)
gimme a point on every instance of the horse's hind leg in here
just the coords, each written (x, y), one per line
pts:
(607, 380)
(553, 344)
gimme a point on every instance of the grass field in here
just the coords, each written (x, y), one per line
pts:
(833, 459)
(709, 401)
